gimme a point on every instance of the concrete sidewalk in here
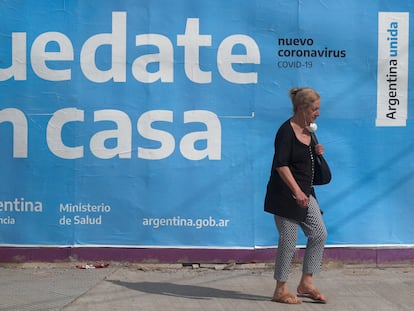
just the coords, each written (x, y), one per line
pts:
(199, 287)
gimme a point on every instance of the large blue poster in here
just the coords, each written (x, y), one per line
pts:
(151, 123)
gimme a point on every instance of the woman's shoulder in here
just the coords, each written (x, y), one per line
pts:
(285, 128)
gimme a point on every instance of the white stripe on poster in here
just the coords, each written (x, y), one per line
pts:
(392, 79)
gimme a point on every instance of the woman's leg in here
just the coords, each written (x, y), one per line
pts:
(288, 233)
(315, 230)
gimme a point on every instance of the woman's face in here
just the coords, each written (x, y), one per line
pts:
(312, 112)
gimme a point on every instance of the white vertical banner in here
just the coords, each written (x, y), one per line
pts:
(392, 83)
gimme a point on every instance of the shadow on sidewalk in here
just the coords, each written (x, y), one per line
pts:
(186, 291)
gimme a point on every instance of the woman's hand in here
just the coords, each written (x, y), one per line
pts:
(319, 150)
(302, 199)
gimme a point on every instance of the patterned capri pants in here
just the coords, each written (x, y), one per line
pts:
(314, 229)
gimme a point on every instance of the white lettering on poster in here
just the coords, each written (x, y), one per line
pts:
(187, 145)
(93, 216)
(7, 220)
(20, 130)
(21, 205)
(9, 208)
(192, 41)
(123, 135)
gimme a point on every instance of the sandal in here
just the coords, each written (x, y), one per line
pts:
(288, 298)
(313, 294)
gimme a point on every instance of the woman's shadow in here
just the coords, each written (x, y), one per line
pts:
(186, 291)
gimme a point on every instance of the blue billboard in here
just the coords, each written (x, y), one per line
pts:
(151, 123)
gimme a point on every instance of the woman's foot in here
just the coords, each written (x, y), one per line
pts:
(312, 293)
(287, 298)
(282, 295)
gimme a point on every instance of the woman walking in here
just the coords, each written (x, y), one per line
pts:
(290, 197)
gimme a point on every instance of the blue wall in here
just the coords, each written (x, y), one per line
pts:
(151, 123)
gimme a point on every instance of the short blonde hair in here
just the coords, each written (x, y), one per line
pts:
(302, 97)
